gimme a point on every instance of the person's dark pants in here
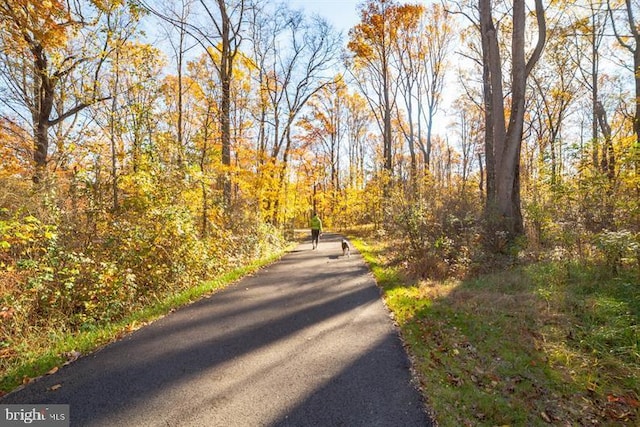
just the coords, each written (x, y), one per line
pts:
(315, 234)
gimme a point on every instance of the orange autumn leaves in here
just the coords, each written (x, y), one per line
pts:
(43, 24)
(381, 22)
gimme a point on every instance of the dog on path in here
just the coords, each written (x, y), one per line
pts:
(346, 249)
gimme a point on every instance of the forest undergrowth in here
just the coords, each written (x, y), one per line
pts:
(65, 290)
(522, 338)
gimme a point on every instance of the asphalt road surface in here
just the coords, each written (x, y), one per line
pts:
(305, 341)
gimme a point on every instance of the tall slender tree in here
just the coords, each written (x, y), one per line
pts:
(503, 138)
(372, 48)
(436, 40)
(408, 54)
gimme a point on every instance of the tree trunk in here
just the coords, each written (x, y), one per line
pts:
(607, 166)
(387, 135)
(226, 69)
(412, 148)
(607, 157)
(114, 157)
(180, 131)
(634, 28)
(594, 92)
(493, 108)
(503, 205)
(508, 188)
(43, 106)
(204, 227)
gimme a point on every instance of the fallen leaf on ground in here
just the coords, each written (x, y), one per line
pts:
(55, 387)
(622, 399)
(545, 417)
(454, 380)
(53, 370)
(72, 356)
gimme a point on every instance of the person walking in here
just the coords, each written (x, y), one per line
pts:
(316, 229)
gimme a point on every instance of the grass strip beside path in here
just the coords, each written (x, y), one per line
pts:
(545, 344)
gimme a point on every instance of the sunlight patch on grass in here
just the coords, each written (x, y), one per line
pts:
(406, 303)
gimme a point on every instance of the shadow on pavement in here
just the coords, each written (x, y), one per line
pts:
(260, 311)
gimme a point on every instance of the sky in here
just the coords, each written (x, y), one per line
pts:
(342, 14)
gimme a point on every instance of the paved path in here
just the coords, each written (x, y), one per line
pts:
(304, 342)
